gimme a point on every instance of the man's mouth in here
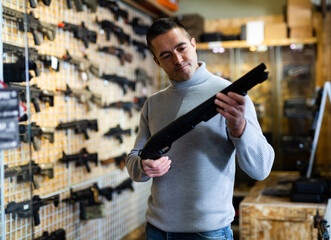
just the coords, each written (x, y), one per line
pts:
(180, 68)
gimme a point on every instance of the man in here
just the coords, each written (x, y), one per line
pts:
(192, 188)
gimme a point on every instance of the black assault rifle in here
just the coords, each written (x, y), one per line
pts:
(123, 82)
(58, 234)
(29, 208)
(34, 133)
(117, 133)
(79, 126)
(81, 159)
(161, 142)
(36, 94)
(80, 32)
(23, 173)
(33, 24)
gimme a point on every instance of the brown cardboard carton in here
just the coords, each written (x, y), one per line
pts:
(275, 31)
(301, 32)
(298, 13)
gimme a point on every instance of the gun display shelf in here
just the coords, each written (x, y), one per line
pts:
(231, 59)
(151, 8)
(268, 43)
(268, 217)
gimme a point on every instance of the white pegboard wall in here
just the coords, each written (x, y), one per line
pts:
(126, 211)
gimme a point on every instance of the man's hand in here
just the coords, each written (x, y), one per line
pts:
(156, 168)
(232, 107)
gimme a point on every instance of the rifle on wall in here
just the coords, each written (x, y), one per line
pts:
(33, 24)
(23, 174)
(79, 126)
(81, 159)
(30, 208)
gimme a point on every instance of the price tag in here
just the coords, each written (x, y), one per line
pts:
(9, 112)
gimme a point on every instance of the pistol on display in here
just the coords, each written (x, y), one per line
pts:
(29, 208)
(161, 142)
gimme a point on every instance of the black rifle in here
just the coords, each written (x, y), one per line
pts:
(143, 77)
(114, 8)
(33, 24)
(84, 96)
(80, 32)
(33, 56)
(27, 209)
(92, 4)
(23, 173)
(110, 27)
(126, 184)
(321, 224)
(126, 106)
(117, 132)
(87, 198)
(58, 234)
(138, 28)
(140, 47)
(161, 142)
(119, 161)
(80, 126)
(123, 82)
(139, 101)
(36, 94)
(33, 3)
(119, 52)
(15, 72)
(36, 133)
(81, 159)
(84, 65)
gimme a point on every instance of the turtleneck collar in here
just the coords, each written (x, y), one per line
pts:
(200, 76)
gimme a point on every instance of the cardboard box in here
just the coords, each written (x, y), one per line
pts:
(275, 31)
(301, 32)
(194, 24)
(298, 13)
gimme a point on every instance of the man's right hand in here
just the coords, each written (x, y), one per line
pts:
(156, 168)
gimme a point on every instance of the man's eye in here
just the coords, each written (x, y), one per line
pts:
(165, 57)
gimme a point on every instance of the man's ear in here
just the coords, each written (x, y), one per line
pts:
(193, 43)
(156, 61)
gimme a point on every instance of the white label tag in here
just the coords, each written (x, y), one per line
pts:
(54, 62)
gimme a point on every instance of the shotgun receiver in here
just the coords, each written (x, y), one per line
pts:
(160, 142)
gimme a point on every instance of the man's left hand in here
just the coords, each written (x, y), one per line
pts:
(232, 107)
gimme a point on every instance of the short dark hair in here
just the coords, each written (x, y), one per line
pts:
(161, 26)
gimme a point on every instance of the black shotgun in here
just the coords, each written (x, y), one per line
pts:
(160, 142)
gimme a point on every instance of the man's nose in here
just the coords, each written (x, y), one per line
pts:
(177, 58)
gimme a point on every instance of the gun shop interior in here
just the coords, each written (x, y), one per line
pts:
(78, 83)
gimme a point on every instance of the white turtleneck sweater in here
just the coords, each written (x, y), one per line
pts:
(196, 194)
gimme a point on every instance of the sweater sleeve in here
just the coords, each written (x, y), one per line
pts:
(255, 155)
(133, 161)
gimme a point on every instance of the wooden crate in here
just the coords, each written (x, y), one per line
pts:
(276, 218)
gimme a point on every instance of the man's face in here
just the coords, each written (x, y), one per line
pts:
(176, 54)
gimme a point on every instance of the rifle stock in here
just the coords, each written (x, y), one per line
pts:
(161, 142)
